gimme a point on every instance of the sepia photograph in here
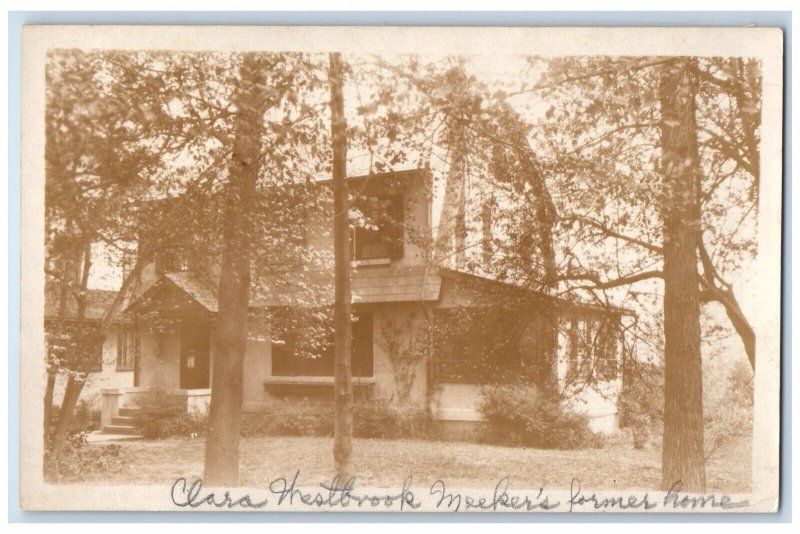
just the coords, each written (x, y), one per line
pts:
(401, 269)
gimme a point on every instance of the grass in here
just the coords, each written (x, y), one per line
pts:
(386, 463)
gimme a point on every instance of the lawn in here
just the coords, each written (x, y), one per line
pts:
(386, 463)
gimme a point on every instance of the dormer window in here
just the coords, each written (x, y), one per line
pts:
(381, 235)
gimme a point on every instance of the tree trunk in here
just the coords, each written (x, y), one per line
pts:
(71, 395)
(544, 215)
(682, 452)
(224, 419)
(63, 295)
(76, 379)
(48, 404)
(343, 387)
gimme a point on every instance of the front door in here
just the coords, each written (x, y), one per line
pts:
(194, 355)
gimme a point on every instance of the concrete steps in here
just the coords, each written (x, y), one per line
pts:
(125, 425)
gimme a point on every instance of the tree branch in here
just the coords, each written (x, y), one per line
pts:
(725, 296)
(608, 284)
(608, 232)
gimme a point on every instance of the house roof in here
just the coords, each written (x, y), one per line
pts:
(368, 286)
(97, 302)
(559, 301)
(196, 287)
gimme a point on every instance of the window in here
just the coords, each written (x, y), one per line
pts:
(381, 237)
(307, 350)
(127, 348)
(481, 345)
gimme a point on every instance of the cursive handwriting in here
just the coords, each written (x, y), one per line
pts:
(694, 501)
(283, 491)
(192, 498)
(577, 498)
(337, 495)
(456, 502)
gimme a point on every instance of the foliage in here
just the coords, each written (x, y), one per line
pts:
(74, 346)
(728, 404)
(289, 418)
(163, 416)
(86, 418)
(384, 420)
(641, 403)
(405, 352)
(519, 415)
(79, 460)
(371, 419)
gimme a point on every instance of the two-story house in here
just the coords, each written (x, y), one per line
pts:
(422, 334)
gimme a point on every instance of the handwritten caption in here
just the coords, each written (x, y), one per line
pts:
(285, 492)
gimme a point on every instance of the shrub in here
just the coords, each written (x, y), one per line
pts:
(79, 460)
(380, 419)
(289, 418)
(518, 415)
(371, 419)
(728, 403)
(164, 416)
(641, 403)
(85, 418)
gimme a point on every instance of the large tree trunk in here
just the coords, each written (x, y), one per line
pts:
(682, 452)
(224, 418)
(343, 387)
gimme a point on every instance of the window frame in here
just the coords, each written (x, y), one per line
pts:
(390, 232)
(127, 348)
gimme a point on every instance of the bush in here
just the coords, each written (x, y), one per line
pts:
(79, 460)
(85, 418)
(518, 415)
(371, 419)
(728, 404)
(289, 418)
(164, 416)
(379, 419)
(641, 404)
